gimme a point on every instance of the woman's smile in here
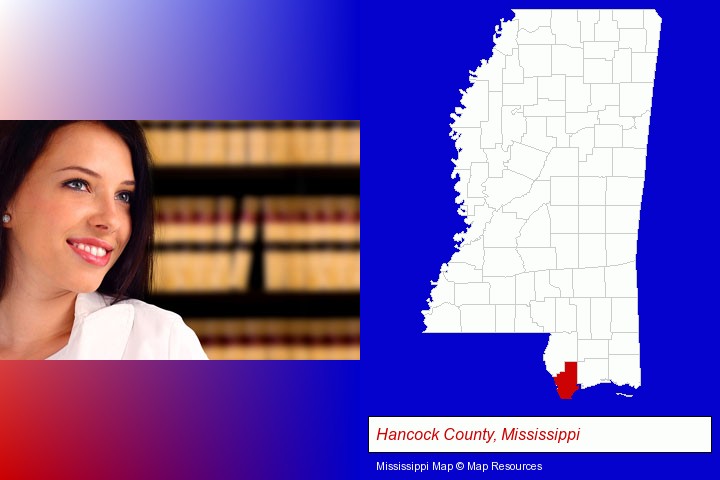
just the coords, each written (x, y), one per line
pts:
(92, 250)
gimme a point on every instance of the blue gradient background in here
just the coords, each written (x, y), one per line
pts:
(398, 69)
(179, 59)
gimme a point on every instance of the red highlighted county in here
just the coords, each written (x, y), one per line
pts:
(567, 381)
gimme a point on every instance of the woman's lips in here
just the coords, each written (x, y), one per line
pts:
(91, 253)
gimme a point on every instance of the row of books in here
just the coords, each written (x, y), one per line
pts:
(279, 339)
(311, 270)
(282, 219)
(302, 244)
(244, 143)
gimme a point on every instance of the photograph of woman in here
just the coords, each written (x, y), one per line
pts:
(75, 237)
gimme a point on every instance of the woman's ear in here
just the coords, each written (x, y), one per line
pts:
(7, 217)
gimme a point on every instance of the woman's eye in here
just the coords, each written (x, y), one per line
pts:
(80, 185)
(125, 197)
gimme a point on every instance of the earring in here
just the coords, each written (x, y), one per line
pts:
(6, 218)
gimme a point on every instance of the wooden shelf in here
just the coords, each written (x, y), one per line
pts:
(273, 246)
(253, 180)
(259, 304)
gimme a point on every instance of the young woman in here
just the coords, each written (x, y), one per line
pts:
(75, 246)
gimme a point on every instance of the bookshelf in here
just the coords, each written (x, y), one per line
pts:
(255, 180)
(258, 224)
(262, 304)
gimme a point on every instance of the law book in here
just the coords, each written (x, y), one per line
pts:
(175, 143)
(155, 135)
(206, 143)
(258, 143)
(280, 137)
(318, 143)
(224, 221)
(279, 338)
(237, 144)
(345, 143)
(353, 145)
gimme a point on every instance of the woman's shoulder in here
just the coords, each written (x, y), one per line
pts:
(153, 313)
(156, 328)
(145, 314)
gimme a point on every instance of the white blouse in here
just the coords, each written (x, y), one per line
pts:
(128, 330)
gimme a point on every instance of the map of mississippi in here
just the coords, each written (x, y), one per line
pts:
(552, 141)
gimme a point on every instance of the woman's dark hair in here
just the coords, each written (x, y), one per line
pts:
(21, 142)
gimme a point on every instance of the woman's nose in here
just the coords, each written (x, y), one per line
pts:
(106, 214)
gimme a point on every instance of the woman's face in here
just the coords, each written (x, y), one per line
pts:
(71, 215)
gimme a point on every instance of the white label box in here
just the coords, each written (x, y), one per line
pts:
(540, 434)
